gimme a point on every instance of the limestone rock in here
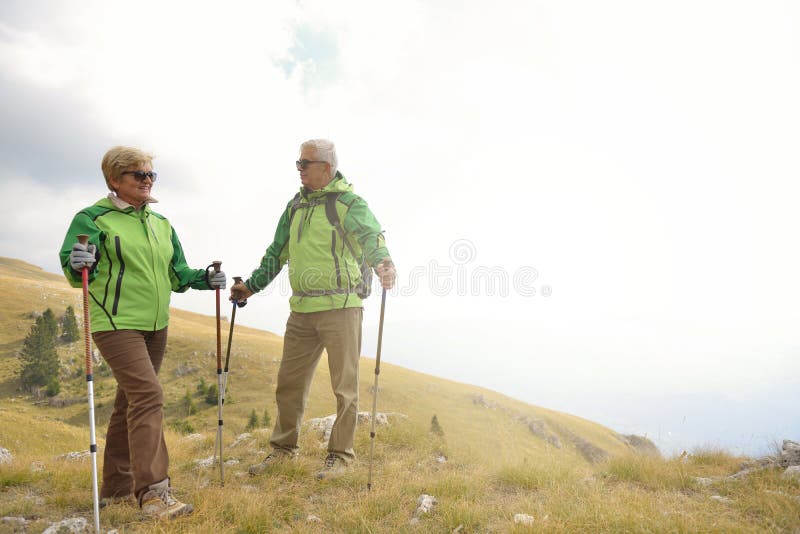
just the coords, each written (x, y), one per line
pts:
(73, 525)
(425, 504)
(205, 462)
(324, 425)
(792, 473)
(5, 456)
(14, 522)
(241, 438)
(640, 444)
(74, 456)
(721, 499)
(481, 401)
(523, 519)
(366, 418)
(790, 453)
(185, 369)
(589, 450)
(539, 429)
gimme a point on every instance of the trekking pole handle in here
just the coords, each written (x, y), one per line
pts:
(243, 302)
(83, 239)
(216, 264)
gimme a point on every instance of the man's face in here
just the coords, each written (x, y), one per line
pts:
(316, 175)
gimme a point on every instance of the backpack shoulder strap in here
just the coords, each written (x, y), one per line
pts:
(330, 209)
(333, 218)
(295, 204)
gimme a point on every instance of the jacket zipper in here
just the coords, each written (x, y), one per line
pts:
(119, 276)
(153, 232)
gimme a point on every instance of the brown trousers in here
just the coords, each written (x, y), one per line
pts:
(136, 453)
(339, 333)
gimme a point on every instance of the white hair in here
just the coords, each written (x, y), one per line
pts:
(325, 150)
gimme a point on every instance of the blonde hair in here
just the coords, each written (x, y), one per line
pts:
(119, 158)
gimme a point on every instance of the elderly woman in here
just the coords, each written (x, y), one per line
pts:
(135, 261)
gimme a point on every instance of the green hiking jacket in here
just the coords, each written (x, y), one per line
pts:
(140, 262)
(323, 273)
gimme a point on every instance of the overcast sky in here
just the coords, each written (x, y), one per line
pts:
(592, 205)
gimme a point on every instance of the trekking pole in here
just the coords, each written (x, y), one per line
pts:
(216, 265)
(375, 391)
(240, 304)
(83, 239)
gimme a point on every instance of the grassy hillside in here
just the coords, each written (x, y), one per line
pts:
(497, 457)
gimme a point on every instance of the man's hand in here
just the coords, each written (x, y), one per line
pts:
(239, 292)
(386, 272)
(216, 279)
(81, 256)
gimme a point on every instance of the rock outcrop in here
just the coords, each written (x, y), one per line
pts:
(640, 444)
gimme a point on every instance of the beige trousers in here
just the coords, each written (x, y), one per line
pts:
(136, 453)
(307, 334)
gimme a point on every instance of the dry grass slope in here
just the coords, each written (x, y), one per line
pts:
(496, 465)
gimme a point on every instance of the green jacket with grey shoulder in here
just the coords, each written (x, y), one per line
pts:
(139, 263)
(323, 273)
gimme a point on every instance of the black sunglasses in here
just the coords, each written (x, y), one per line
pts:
(301, 164)
(141, 175)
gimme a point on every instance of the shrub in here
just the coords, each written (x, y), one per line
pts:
(202, 387)
(436, 427)
(182, 426)
(53, 388)
(212, 395)
(252, 423)
(265, 419)
(189, 403)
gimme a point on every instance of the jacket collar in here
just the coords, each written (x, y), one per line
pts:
(338, 184)
(122, 205)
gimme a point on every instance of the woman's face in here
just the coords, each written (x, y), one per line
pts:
(131, 189)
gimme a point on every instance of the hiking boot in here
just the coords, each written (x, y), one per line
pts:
(128, 500)
(334, 466)
(275, 457)
(159, 503)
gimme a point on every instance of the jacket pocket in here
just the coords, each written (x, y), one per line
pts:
(118, 291)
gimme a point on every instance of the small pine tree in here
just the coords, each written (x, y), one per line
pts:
(50, 324)
(69, 326)
(212, 394)
(53, 388)
(253, 422)
(39, 357)
(265, 419)
(188, 401)
(436, 427)
(202, 387)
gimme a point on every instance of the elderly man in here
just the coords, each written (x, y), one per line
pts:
(330, 238)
